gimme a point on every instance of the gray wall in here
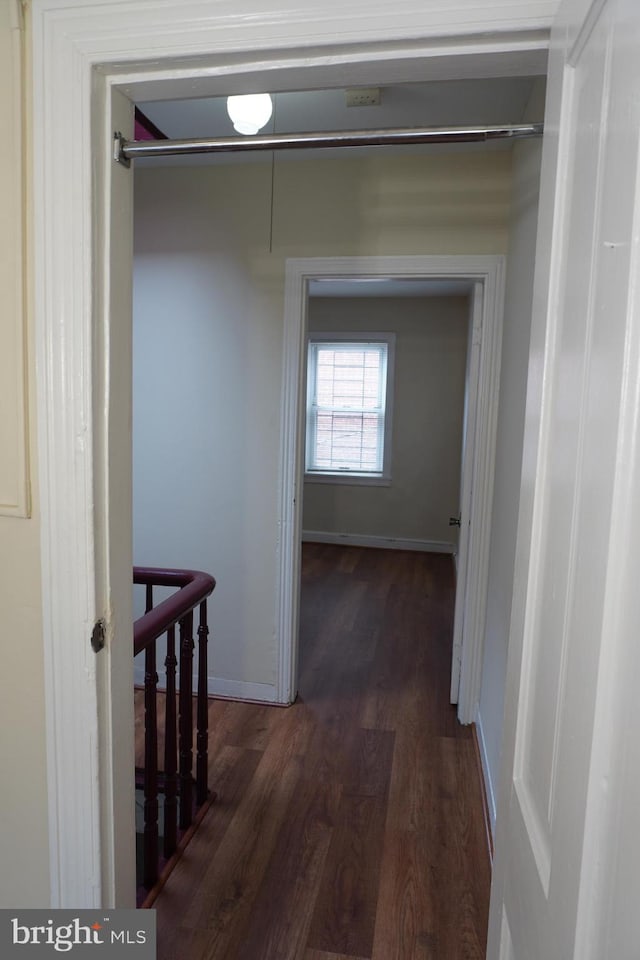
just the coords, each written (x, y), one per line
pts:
(430, 362)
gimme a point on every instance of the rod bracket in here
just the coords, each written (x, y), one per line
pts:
(118, 150)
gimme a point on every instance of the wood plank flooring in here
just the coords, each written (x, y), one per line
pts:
(348, 826)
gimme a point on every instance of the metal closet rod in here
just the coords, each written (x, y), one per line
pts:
(127, 150)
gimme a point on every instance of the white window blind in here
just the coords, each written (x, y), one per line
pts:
(347, 388)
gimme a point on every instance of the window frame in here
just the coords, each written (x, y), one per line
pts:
(353, 477)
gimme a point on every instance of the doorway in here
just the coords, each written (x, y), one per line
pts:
(74, 200)
(484, 277)
(391, 365)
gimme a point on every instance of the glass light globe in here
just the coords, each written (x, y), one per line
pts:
(249, 112)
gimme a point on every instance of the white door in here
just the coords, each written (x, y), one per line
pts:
(566, 884)
(466, 484)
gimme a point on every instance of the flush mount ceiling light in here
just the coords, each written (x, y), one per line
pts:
(250, 112)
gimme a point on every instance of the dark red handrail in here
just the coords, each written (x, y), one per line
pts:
(193, 586)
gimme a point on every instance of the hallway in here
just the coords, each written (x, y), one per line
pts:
(350, 825)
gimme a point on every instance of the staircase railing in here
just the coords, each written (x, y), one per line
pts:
(176, 781)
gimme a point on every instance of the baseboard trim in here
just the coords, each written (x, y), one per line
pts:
(225, 689)
(488, 803)
(385, 543)
(242, 690)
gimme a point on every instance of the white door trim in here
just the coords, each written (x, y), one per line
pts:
(147, 49)
(63, 313)
(466, 486)
(488, 273)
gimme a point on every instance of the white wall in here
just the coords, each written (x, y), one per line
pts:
(208, 309)
(513, 384)
(206, 402)
(24, 842)
(430, 363)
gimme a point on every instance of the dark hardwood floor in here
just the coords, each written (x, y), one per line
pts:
(348, 826)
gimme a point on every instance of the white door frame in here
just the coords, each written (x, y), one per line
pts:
(487, 273)
(81, 51)
(467, 492)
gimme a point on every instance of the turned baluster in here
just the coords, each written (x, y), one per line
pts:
(186, 719)
(202, 740)
(170, 750)
(150, 841)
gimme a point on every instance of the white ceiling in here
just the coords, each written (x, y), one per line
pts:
(438, 103)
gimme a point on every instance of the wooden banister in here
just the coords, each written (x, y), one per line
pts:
(193, 586)
(176, 782)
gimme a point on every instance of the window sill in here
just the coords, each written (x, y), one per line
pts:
(349, 479)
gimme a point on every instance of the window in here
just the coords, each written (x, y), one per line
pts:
(349, 380)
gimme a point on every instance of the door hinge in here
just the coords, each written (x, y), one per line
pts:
(98, 635)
